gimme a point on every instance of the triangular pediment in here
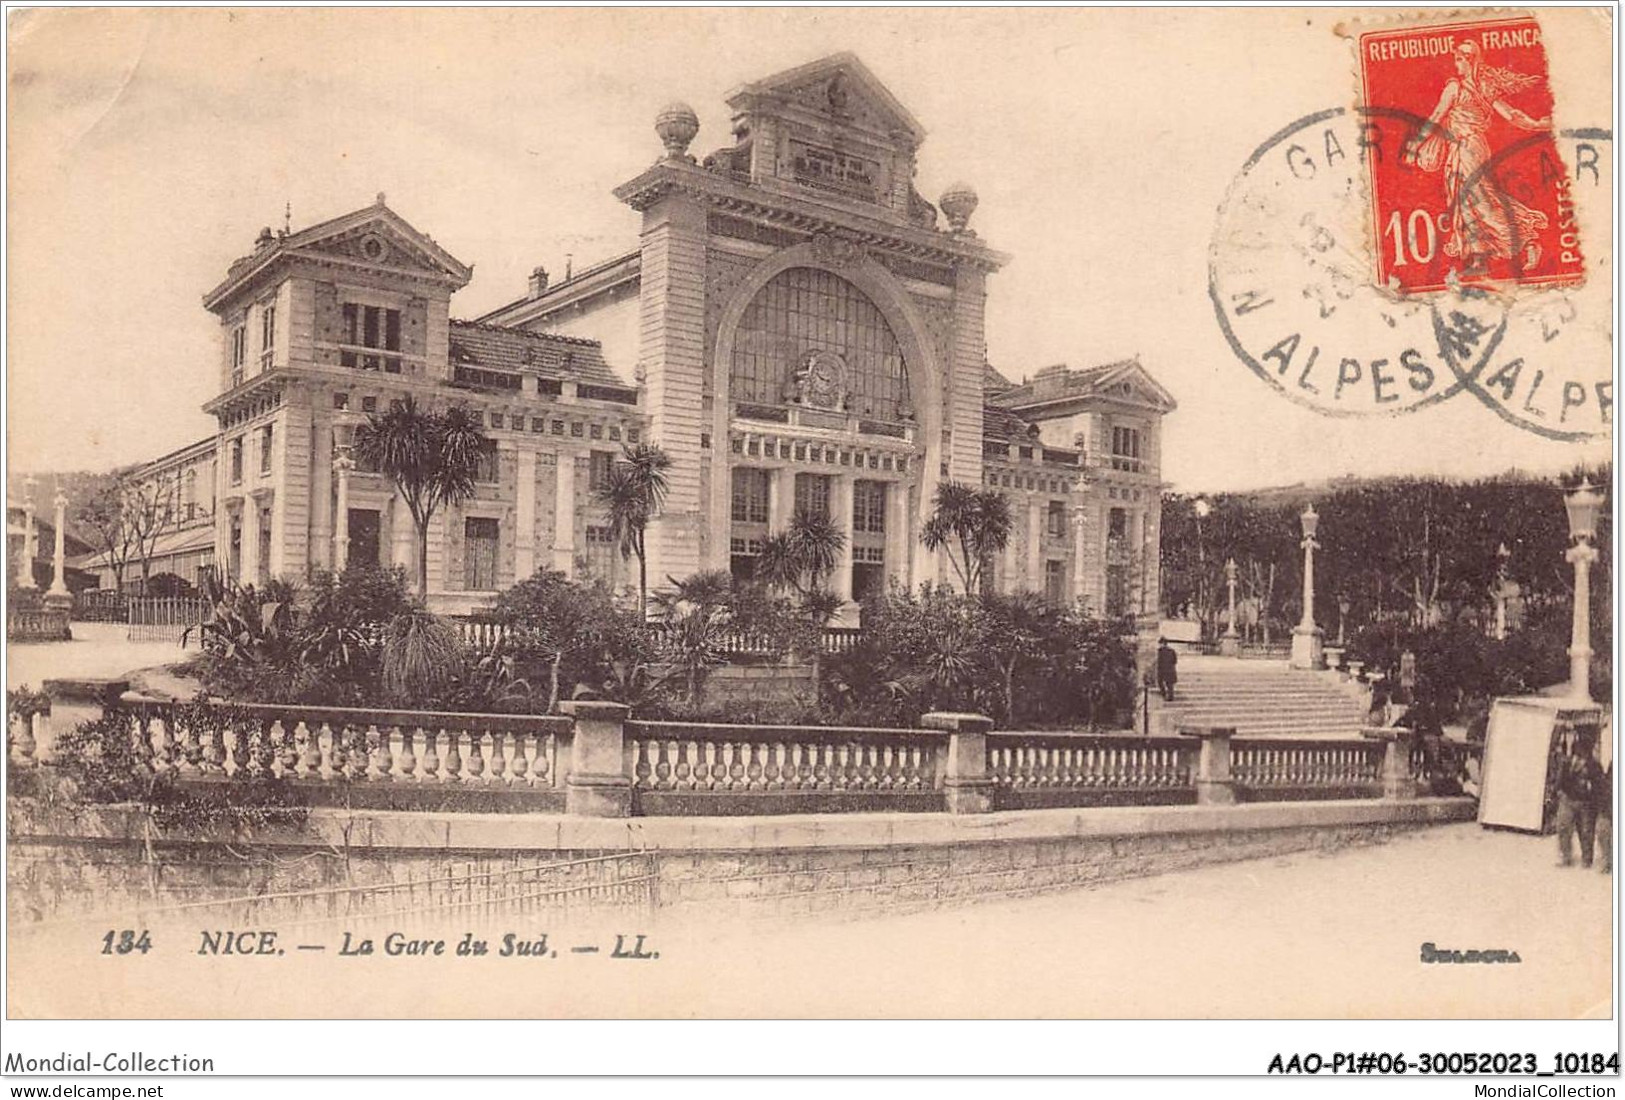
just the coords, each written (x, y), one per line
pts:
(377, 236)
(839, 88)
(1132, 382)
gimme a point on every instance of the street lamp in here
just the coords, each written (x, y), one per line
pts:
(1201, 507)
(1306, 636)
(345, 423)
(1583, 502)
(1502, 591)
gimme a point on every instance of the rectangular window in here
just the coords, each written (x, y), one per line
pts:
(265, 448)
(234, 550)
(237, 461)
(812, 495)
(267, 332)
(487, 470)
(1117, 524)
(263, 567)
(1054, 582)
(749, 495)
(598, 469)
(601, 553)
(239, 354)
(371, 327)
(480, 537)
(1057, 519)
(742, 555)
(869, 507)
(1125, 448)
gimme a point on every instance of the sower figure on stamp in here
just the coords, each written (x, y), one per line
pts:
(1480, 221)
(1579, 780)
(1167, 668)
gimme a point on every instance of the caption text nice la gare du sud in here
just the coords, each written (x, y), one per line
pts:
(1438, 45)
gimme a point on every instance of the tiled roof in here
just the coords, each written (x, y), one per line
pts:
(994, 382)
(1004, 425)
(496, 348)
(1055, 381)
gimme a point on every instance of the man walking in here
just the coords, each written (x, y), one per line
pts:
(1167, 669)
(1579, 782)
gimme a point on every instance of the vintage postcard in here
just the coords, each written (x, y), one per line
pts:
(812, 514)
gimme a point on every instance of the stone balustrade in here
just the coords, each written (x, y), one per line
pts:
(38, 624)
(594, 761)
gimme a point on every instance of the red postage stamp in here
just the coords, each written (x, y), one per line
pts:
(1478, 193)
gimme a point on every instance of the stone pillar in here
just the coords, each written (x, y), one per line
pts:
(781, 499)
(1214, 785)
(564, 515)
(58, 594)
(403, 536)
(840, 508)
(1035, 546)
(966, 787)
(1398, 782)
(1080, 551)
(342, 465)
(1230, 644)
(897, 533)
(25, 573)
(76, 700)
(596, 784)
(524, 535)
(1306, 636)
(671, 315)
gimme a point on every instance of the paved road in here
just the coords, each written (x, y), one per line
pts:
(97, 649)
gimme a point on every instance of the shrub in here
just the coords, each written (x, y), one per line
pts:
(422, 657)
(568, 634)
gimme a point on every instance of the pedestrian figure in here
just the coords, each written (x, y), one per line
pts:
(1579, 782)
(1167, 669)
(1605, 821)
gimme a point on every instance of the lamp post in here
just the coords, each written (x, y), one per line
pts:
(1343, 605)
(58, 595)
(1230, 644)
(25, 571)
(1583, 502)
(1201, 508)
(344, 426)
(1306, 636)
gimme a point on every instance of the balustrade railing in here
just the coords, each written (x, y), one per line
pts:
(1269, 769)
(1072, 769)
(338, 745)
(37, 624)
(483, 635)
(596, 761)
(783, 768)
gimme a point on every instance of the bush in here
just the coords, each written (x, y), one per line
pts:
(569, 635)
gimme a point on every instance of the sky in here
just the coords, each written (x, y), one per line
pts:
(146, 148)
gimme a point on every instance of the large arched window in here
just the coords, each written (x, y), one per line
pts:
(804, 310)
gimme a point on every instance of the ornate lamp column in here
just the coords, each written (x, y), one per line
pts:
(1583, 503)
(25, 571)
(1230, 644)
(1306, 636)
(344, 425)
(58, 595)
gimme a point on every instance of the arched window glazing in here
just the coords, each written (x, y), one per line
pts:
(804, 310)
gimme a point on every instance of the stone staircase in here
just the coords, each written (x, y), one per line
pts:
(1261, 699)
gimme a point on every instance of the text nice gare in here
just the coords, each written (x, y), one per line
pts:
(798, 328)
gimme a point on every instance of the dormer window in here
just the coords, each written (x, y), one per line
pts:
(367, 328)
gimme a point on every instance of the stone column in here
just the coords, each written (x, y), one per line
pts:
(342, 465)
(781, 499)
(1230, 644)
(966, 787)
(25, 573)
(564, 515)
(58, 594)
(897, 533)
(1306, 636)
(403, 536)
(1397, 780)
(1214, 785)
(524, 535)
(840, 508)
(1080, 551)
(596, 784)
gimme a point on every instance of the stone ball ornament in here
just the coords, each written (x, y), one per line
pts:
(676, 125)
(958, 203)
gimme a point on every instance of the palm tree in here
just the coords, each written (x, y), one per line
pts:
(433, 459)
(978, 520)
(802, 556)
(632, 492)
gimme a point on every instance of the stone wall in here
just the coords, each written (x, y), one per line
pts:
(63, 865)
